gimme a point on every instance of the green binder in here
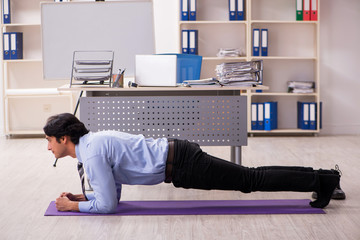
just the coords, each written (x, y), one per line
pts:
(299, 10)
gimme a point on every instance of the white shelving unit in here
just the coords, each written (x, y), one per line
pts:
(28, 98)
(293, 52)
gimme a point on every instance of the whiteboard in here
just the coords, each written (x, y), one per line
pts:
(125, 27)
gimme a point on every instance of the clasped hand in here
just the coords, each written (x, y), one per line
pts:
(68, 201)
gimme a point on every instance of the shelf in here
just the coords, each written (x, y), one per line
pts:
(25, 132)
(282, 131)
(282, 58)
(284, 94)
(224, 58)
(21, 25)
(212, 22)
(31, 92)
(283, 22)
(23, 61)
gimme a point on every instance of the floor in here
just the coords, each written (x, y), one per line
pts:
(29, 182)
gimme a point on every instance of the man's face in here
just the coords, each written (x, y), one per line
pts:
(58, 148)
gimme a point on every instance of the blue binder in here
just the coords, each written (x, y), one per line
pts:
(270, 116)
(6, 46)
(16, 45)
(256, 42)
(184, 6)
(232, 10)
(320, 115)
(264, 42)
(312, 116)
(303, 115)
(299, 115)
(240, 10)
(185, 41)
(6, 12)
(260, 116)
(192, 10)
(193, 42)
(254, 114)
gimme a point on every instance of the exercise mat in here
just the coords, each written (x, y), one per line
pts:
(202, 207)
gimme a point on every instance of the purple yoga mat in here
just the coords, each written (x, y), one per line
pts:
(202, 207)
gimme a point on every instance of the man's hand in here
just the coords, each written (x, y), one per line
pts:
(65, 204)
(72, 197)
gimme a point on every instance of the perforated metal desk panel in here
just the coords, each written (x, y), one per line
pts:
(207, 120)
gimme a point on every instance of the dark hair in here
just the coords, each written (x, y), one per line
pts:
(65, 124)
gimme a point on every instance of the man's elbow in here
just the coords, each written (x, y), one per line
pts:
(107, 208)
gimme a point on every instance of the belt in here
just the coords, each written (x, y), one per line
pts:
(169, 162)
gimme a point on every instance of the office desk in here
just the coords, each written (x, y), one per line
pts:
(210, 116)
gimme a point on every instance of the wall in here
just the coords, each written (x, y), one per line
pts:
(339, 66)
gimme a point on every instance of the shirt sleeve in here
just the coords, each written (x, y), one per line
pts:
(105, 197)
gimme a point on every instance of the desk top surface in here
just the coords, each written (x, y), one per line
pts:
(197, 88)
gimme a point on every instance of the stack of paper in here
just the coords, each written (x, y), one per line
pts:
(240, 73)
(301, 87)
(229, 52)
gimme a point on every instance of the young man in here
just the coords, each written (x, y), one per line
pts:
(112, 158)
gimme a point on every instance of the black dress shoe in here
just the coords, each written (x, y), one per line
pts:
(338, 194)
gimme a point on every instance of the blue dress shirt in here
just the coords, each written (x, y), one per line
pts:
(113, 158)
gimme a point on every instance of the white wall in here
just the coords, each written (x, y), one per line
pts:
(339, 66)
(339, 59)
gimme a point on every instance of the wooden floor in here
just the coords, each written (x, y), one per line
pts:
(29, 182)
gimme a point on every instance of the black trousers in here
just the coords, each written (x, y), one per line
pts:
(193, 168)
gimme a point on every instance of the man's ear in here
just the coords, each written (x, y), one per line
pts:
(66, 139)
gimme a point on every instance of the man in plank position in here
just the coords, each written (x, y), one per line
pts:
(113, 158)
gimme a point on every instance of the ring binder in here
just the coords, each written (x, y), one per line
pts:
(264, 42)
(6, 12)
(232, 10)
(256, 42)
(184, 10)
(16, 45)
(240, 10)
(6, 46)
(192, 10)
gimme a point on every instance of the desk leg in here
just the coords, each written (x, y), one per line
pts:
(236, 154)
